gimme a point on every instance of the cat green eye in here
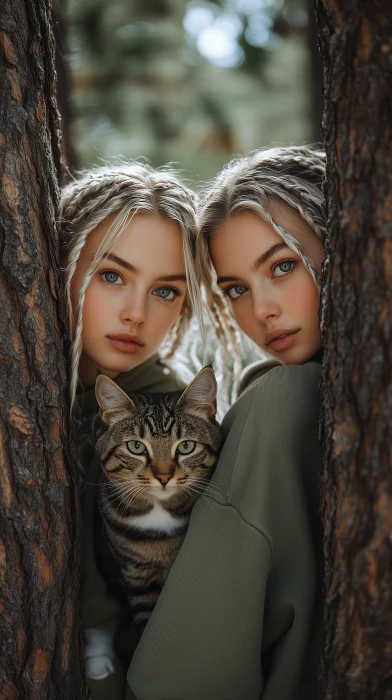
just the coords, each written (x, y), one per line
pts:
(186, 447)
(137, 447)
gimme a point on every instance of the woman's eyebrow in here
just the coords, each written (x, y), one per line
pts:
(132, 268)
(171, 278)
(260, 261)
(267, 255)
(121, 262)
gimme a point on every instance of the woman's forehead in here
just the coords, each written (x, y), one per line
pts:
(288, 218)
(144, 232)
(282, 214)
(291, 220)
(246, 233)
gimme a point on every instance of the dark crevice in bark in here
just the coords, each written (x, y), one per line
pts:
(69, 157)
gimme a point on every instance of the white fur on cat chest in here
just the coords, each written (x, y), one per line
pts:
(157, 519)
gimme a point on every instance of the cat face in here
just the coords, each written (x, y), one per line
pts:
(159, 446)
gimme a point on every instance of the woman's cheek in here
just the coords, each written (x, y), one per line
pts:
(307, 299)
(96, 301)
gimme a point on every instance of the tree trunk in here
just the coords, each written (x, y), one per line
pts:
(40, 645)
(63, 91)
(356, 46)
(315, 75)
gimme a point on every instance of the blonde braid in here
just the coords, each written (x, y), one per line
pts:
(222, 359)
(176, 336)
(225, 327)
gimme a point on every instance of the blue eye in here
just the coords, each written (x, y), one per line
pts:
(236, 291)
(284, 268)
(111, 277)
(166, 293)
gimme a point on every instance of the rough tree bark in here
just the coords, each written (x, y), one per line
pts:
(315, 75)
(356, 46)
(40, 646)
(63, 92)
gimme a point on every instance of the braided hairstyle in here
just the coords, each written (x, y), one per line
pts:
(125, 190)
(293, 175)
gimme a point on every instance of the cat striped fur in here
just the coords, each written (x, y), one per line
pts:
(157, 451)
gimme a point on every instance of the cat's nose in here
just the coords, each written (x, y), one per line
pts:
(163, 478)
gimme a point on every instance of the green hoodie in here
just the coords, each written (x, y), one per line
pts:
(99, 607)
(240, 616)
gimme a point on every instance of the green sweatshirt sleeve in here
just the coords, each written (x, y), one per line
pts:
(255, 371)
(240, 616)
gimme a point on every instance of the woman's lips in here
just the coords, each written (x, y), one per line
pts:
(130, 346)
(284, 342)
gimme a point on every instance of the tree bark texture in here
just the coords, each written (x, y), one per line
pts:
(63, 91)
(40, 645)
(355, 40)
(315, 75)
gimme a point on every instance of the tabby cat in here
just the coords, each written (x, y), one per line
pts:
(157, 452)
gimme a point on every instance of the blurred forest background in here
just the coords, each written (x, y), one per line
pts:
(188, 82)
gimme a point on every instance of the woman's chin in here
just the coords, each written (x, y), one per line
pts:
(295, 356)
(114, 366)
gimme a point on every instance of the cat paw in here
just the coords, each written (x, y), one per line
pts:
(99, 667)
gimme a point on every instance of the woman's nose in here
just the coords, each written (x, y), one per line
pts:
(265, 309)
(134, 310)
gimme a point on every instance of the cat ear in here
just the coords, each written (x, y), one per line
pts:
(114, 403)
(200, 395)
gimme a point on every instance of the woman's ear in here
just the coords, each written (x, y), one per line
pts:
(200, 395)
(114, 403)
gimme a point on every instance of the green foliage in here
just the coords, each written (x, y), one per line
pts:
(142, 86)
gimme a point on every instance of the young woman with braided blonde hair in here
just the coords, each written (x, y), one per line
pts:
(128, 242)
(240, 617)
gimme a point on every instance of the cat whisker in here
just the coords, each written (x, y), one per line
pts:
(211, 491)
(201, 491)
(127, 499)
(109, 503)
(110, 485)
(132, 489)
(121, 502)
(129, 495)
(211, 488)
(119, 493)
(129, 487)
(129, 502)
(132, 492)
(205, 496)
(195, 486)
(193, 491)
